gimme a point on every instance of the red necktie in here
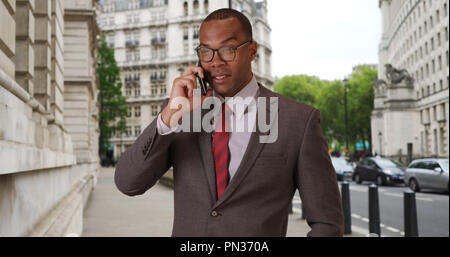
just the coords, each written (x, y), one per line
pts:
(220, 151)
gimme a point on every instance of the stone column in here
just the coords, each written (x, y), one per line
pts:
(24, 58)
(42, 78)
(57, 61)
(7, 37)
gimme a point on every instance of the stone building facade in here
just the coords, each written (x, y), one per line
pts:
(154, 41)
(48, 115)
(411, 95)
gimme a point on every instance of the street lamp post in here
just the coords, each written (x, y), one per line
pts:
(346, 117)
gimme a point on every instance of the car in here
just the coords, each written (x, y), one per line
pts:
(382, 171)
(344, 169)
(427, 174)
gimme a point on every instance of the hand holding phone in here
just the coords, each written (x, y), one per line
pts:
(203, 82)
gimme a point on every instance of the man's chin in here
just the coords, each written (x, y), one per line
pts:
(223, 90)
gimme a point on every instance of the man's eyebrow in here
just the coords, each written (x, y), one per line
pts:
(226, 40)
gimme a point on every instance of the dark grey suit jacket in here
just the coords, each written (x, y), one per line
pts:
(256, 202)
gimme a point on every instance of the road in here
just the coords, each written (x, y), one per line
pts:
(432, 210)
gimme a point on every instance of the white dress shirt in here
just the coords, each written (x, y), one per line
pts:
(240, 115)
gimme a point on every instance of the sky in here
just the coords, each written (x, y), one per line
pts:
(324, 38)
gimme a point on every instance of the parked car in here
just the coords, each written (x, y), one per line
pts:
(382, 171)
(427, 173)
(344, 169)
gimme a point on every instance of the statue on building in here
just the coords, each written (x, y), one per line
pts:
(396, 76)
(379, 86)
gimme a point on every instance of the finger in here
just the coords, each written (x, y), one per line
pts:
(192, 70)
(188, 84)
(193, 78)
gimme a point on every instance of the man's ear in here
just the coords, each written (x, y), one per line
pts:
(253, 50)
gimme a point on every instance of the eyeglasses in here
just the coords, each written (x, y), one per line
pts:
(226, 53)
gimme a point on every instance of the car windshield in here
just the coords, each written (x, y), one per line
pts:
(386, 163)
(444, 165)
(337, 162)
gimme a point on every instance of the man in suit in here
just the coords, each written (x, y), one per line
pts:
(232, 183)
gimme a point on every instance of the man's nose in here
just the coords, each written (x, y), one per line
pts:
(217, 61)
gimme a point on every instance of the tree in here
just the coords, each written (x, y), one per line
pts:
(328, 97)
(113, 107)
(301, 88)
(330, 102)
(360, 103)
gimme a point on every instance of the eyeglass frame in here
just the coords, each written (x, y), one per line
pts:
(235, 48)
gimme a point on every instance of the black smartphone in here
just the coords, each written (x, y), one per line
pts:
(203, 82)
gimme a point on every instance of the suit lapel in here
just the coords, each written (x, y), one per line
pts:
(252, 152)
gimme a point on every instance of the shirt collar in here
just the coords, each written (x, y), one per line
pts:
(250, 90)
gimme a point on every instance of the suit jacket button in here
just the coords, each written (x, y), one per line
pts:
(214, 213)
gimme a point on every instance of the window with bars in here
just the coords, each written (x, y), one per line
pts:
(137, 111)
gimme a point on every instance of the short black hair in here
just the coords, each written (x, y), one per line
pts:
(225, 13)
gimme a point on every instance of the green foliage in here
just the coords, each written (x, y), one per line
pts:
(360, 103)
(301, 88)
(328, 97)
(113, 107)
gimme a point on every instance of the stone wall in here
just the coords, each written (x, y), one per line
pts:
(48, 130)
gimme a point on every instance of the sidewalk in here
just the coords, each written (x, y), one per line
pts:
(110, 213)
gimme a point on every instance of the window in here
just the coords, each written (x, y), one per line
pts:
(133, 4)
(185, 6)
(163, 89)
(432, 44)
(205, 5)
(186, 48)
(439, 38)
(438, 16)
(162, 53)
(137, 111)
(137, 90)
(433, 66)
(441, 84)
(128, 90)
(446, 33)
(154, 90)
(440, 62)
(185, 33)
(128, 131)
(154, 53)
(130, 111)
(196, 7)
(446, 56)
(196, 30)
(137, 130)
(154, 110)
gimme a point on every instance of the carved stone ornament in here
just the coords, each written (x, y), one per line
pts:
(396, 76)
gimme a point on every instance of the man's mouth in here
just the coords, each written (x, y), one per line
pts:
(218, 79)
